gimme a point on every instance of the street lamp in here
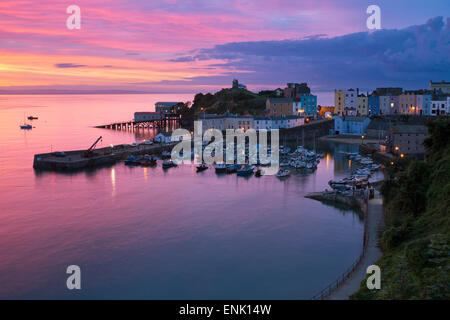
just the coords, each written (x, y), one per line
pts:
(402, 155)
(362, 139)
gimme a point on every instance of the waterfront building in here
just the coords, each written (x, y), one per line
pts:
(232, 121)
(374, 104)
(295, 90)
(324, 110)
(378, 128)
(285, 122)
(339, 101)
(423, 101)
(384, 105)
(443, 87)
(362, 105)
(351, 125)
(168, 107)
(393, 104)
(279, 106)
(407, 102)
(308, 105)
(163, 137)
(439, 105)
(407, 139)
(147, 116)
(226, 121)
(388, 91)
(350, 102)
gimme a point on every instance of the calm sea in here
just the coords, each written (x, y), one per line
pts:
(148, 234)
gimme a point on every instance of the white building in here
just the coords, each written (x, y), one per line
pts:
(146, 116)
(285, 122)
(226, 121)
(232, 121)
(439, 105)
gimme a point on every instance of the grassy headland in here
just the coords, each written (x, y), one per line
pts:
(416, 240)
(242, 102)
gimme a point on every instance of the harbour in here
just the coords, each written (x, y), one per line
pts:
(128, 214)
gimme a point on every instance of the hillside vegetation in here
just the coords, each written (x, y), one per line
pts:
(240, 102)
(416, 240)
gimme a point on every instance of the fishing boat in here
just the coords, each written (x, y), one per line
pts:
(165, 154)
(341, 187)
(220, 168)
(246, 170)
(32, 118)
(233, 168)
(148, 161)
(168, 164)
(132, 161)
(283, 173)
(202, 167)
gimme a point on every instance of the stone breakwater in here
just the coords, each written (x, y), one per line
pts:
(352, 201)
(76, 160)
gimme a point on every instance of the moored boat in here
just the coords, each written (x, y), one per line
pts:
(148, 161)
(168, 164)
(165, 154)
(221, 168)
(246, 170)
(233, 168)
(283, 173)
(202, 167)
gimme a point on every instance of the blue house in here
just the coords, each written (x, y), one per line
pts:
(373, 104)
(309, 104)
(352, 125)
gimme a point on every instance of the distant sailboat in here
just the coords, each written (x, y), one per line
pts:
(25, 126)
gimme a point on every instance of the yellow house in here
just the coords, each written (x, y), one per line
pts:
(279, 107)
(339, 101)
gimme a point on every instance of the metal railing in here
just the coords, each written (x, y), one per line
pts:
(344, 276)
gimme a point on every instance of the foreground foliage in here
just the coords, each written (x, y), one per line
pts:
(416, 240)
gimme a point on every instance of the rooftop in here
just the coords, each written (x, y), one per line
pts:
(280, 100)
(166, 104)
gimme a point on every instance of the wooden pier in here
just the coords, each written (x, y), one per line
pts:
(167, 121)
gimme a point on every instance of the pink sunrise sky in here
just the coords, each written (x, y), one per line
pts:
(142, 45)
